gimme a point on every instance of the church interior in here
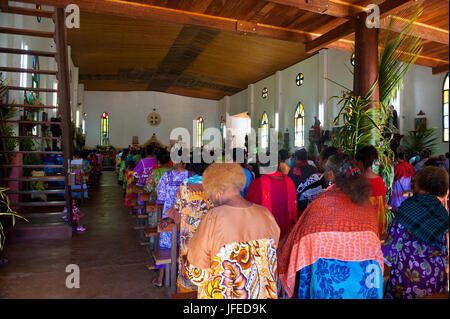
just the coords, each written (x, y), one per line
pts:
(348, 98)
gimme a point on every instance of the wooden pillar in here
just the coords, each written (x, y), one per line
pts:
(366, 58)
(64, 96)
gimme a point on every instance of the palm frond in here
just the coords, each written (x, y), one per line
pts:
(399, 53)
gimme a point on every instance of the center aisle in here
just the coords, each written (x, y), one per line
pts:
(112, 263)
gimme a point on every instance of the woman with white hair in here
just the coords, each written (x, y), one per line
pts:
(232, 255)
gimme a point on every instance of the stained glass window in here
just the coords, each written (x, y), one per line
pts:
(104, 129)
(299, 79)
(299, 126)
(38, 7)
(200, 124)
(35, 76)
(264, 125)
(352, 59)
(445, 110)
(265, 93)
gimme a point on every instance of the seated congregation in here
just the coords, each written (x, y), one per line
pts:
(313, 229)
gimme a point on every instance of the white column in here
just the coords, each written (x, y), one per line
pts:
(324, 113)
(251, 106)
(227, 109)
(278, 107)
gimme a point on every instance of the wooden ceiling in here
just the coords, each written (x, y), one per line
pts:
(213, 48)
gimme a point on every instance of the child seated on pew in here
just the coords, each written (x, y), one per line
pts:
(130, 193)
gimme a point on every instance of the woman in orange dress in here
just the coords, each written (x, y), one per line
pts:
(365, 158)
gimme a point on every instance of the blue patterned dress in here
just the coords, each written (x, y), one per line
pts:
(417, 269)
(167, 191)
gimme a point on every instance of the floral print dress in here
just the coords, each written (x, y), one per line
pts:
(418, 269)
(192, 203)
(167, 190)
(241, 270)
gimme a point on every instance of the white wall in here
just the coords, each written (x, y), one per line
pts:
(307, 94)
(128, 113)
(338, 69)
(282, 100)
(423, 91)
(238, 103)
(264, 105)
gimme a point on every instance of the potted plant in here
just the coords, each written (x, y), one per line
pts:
(361, 125)
(5, 210)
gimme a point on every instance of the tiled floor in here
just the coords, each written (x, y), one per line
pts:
(111, 261)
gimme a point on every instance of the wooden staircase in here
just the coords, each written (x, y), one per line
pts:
(44, 216)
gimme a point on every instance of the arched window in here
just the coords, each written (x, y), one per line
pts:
(264, 125)
(200, 124)
(445, 110)
(104, 129)
(299, 126)
(299, 79)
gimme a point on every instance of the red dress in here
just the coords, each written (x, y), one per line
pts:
(278, 195)
(378, 200)
(403, 169)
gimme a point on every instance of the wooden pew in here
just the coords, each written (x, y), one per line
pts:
(142, 225)
(184, 295)
(168, 257)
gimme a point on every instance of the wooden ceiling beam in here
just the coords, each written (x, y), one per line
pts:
(334, 8)
(317, 6)
(136, 10)
(423, 60)
(386, 8)
(335, 34)
(424, 31)
(4, 5)
(29, 12)
(440, 69)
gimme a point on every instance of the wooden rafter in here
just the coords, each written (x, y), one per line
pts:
(334, 8)
(347, 28)
(440, 69)
(167, 15)
(317, 6)
(5, 7)
(335, 34)
(136, 10)
(314, 41)
(426, 32)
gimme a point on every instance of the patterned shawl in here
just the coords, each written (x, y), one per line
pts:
(425, 216)
(331, 218)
